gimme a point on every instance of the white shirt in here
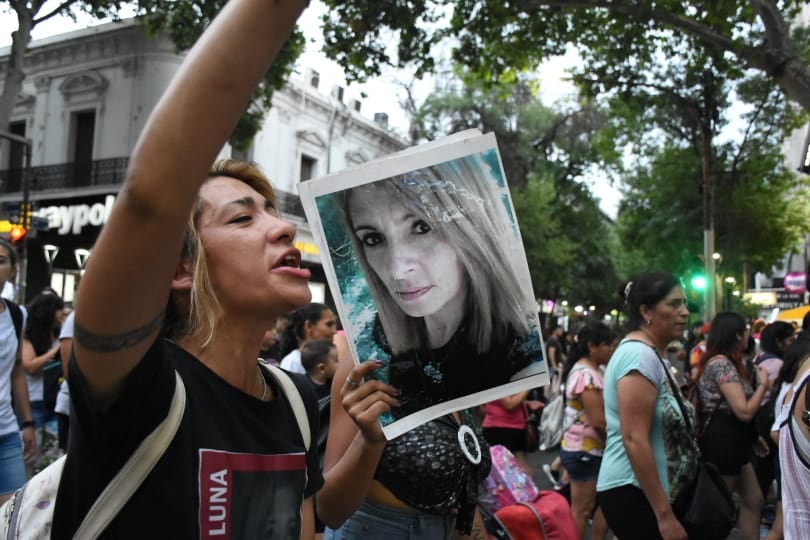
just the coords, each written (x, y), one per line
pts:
(292, 363)
(8, 352)
(781, 409)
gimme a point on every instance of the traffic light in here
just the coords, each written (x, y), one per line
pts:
(699, 282)
(17, 234)
(25, 215)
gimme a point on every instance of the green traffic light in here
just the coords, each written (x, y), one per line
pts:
(699, 282)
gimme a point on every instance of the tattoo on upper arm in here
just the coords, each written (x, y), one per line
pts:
(116, 342)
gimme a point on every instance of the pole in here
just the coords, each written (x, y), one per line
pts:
(22, 251)
(710, 298)
(22, 284)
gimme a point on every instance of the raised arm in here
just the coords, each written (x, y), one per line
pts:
(510, 403)
(743, 407)
(129, 275)
(356, 441)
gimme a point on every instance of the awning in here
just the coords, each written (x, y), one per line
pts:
(795, 314)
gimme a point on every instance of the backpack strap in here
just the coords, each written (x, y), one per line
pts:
(294, 397)
(16, 317)
(135, 470)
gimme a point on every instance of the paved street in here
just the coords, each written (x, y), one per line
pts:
(537, 459)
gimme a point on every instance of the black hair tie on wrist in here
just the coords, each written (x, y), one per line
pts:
(28, 423)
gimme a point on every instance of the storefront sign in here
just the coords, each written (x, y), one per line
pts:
(71, 219)
(762, 298)
(787, 300)
(796, 282)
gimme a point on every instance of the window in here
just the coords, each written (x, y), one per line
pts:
(83, 129)
(307, 167)
(15, 153)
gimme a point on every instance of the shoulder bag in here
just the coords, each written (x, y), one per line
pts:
(704, 506)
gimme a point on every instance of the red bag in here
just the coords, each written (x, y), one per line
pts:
(548, 517)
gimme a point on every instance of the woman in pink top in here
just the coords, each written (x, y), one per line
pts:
(584, 436)
(505, 424)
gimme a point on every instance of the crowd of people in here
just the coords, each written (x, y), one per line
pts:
(627, 418)
(215, 293)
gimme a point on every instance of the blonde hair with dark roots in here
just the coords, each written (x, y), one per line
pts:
(200, 312)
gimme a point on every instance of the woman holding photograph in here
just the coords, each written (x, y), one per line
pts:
(423, 484)
(433, 245)
(201, 253)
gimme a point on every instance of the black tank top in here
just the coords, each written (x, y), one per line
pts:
(427, 469)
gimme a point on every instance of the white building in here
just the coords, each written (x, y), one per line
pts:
(85, 100)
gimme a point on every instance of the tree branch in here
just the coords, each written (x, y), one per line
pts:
(61, 8)
(775, 27)
(643, 13)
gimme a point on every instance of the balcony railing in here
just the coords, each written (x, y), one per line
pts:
(101, 172)
(290, 204)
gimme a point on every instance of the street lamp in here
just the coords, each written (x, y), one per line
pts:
(81, 258)
(50, 255)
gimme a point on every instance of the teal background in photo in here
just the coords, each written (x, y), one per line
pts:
(354, 291)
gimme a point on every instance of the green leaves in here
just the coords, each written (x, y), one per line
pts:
(544, 154)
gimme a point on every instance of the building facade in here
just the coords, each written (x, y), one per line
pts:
(85, 100)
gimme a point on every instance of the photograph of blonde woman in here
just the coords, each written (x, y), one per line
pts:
(434, 271)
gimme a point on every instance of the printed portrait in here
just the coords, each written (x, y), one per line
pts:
(430, 272)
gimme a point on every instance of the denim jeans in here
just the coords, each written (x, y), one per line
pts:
(12, 467)
(375, 521)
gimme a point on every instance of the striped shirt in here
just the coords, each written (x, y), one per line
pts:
(794, 459)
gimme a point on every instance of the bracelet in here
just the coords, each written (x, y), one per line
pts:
(28, 424)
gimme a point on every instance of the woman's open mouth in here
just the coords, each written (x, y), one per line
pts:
(413, 294)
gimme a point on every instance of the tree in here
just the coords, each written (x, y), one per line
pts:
(29, 14)
(183, 20)
(659, 220)
(544, 154)
(684, 177)
(494, 38)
